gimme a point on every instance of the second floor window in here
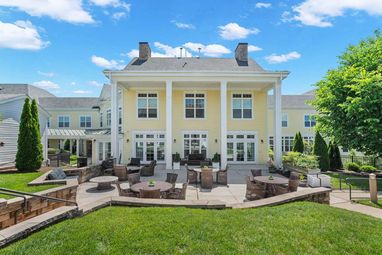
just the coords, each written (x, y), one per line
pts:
(309, 121)
(101, 119)
(242, 106)
(108, 118)
(284, 120)
(85, 121)
(147, 105)
(120, 116)
(63, 121)
(48, 123)
(194, 106)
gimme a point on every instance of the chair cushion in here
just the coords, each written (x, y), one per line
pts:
(57, 174)
(196, 157)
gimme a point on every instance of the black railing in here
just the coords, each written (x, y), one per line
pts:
(351, 182)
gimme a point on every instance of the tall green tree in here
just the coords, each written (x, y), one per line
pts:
(298, 143)
(320, 149)
(37, 145)
(348, 100)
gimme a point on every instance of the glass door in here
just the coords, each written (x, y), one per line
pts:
(240, 152)
(241, 147)
(149, 147)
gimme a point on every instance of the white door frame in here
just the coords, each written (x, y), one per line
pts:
(245, 141)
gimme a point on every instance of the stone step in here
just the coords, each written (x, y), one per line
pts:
(27, 227)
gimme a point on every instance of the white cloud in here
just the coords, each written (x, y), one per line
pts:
(82, 92)
(276, 59)
(65, 10)
(320, 12)
(113, 3)
(21, 35)
(210, 50)
(95, 84)
(183, 25)
(168, 51)
(47, 74)
(253, 48)
(118, 15)
(263, 5)
(44, 84)
(73, 83)
(233, 31)
(105, 63)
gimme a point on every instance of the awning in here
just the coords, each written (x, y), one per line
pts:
(63, 133)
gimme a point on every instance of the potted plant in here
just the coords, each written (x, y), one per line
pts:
(216, 161)
(152, 183)
(176, 164)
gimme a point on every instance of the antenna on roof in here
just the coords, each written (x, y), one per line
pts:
(199, 49)
(181, 49)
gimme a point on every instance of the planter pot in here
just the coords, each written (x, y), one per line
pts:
(216, 165)
(176, 166)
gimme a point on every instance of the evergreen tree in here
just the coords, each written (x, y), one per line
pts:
(331, 154)
(24, 158)
(38, 154)
(337, 156)
(320, 149)
(298, 143)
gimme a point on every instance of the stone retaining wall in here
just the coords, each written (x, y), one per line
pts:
(14, 210)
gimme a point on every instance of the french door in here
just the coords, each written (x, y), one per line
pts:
(149, 146)
(241, 147)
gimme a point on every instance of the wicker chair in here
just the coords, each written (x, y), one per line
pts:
(108, 166)
(134, 178)
(171, 178)
(254, 191)
(155, 193)
(192, 176)
(134, 162)
(256, 172)
(206, 179)
(178, 193)
(125, 192)
(148, 170)
(222, 176)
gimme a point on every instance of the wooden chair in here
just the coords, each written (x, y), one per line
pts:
(256, 172)
(148, 170)
(206, 179)
(133, 178)
(155, 193)
(178, 193)
(125, 192)
(192, 176)
(222, 176)
(171, 178)
(254, 191)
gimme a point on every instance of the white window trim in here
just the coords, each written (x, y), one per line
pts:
(184, 104)
(101, 120)
(253, 105)
(283, 138)
(136, 105)
(146, 132)
(91, 121)
(120, 111)
(245, 132)
(108, 125)
(58, 121)
(198, 132)
(308, 114)
(285, 114)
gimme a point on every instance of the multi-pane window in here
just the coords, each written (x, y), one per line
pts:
(286, 143)
(195, 143)
(150, 146)
(194, 105)
(309, 139)
(48, 122)
(147, 105)
(85, 121)
(120, 116)
(63, 121)
(241, 106)
(271, 143)
(284, 120)
(108, 118)
(101, 119)
(309, 121)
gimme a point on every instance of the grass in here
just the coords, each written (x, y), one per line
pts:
(362, 183)
(19, 181)
(295, 228)
(369, 203)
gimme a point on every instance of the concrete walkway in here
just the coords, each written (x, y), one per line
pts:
(340, 199)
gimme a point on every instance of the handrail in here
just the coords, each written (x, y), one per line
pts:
(348, 179)
(23, 194)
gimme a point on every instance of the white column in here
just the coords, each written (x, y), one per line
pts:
(223, 123)
(114, 120)
(168, 152)
(78, 147)
(277, 124)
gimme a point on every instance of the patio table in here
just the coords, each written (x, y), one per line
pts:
(271, 182)
(163, 186)
(104, 182)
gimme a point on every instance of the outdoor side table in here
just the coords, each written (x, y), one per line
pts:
(163, 186)
(104, 182)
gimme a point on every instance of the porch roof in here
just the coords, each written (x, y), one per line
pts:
(60, 133)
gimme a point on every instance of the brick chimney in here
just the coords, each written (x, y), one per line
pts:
(241, 52)
(144, 51)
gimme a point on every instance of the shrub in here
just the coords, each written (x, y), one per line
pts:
(298, 143)
(352, 166)
(271, 154)
(307, 161)
(177, 157)
(367, 168)
(216, 158)
(334, 156)
(320, 149)
(291, 157)
(52, 151)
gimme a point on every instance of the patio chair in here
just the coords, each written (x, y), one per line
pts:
(256, 172)
(148, 170)
(133, 178)
(192, 176)
(254, 191)
(125, 192)
(206, 179)
(222, 176)
(178, 193)
(134, 162)
(171, 178)
(155, 193)
(107, 166)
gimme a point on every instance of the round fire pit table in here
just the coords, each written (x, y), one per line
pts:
(104, 182)
(163, 186)
(269, 183)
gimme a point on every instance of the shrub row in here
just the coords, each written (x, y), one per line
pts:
(352, 166)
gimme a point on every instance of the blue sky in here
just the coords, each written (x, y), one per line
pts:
(63, 45)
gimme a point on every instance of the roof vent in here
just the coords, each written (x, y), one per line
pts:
(144, 51)
(241, 52)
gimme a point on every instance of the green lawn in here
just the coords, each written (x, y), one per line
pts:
(295, 228)
(356, 184)
(369, 203)
(19, 181)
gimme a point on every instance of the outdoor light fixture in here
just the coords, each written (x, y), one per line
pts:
(216, 140)
(1, 144)
(174, 140)
(127, 140)
(262, 141)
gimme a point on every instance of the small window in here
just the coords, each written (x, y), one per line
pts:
(284, 120)
(147, 105)
(48, 123)
(309, 121)
(85, 121)
(63, 121)
(194, 106)
(120, 116)
(241, 106)
(108, 118)
(101, 119)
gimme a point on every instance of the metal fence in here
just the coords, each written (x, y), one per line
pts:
(353, 183)
(362, 160)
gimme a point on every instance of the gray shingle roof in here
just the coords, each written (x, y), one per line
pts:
(24, 89)
(192, 64)
(69, 102)
(293, 101)
(8, 96)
